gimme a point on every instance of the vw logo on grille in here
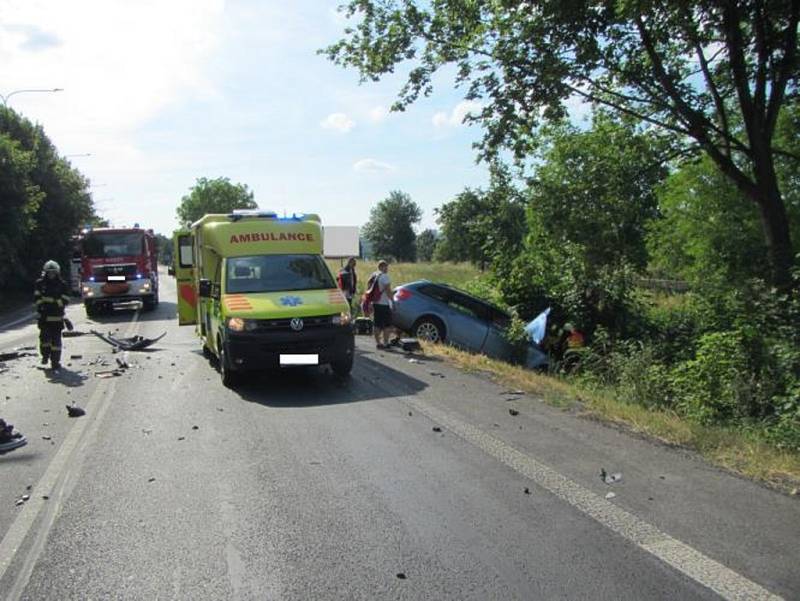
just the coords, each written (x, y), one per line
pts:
(296, 324)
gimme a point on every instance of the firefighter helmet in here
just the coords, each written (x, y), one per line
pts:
(52, 266)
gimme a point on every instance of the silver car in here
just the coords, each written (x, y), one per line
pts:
(439, 313)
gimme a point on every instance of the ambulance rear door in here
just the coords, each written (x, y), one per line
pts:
(184, 265)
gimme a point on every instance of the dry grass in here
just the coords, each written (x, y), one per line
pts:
(733, 450)
(456, 274)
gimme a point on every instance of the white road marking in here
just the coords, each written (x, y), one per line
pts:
(687, 560)
(11, 324)
(53, 483)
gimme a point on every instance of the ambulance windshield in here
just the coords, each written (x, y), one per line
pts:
(277, 273)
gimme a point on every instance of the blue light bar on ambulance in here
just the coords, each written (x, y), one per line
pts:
(238, 214)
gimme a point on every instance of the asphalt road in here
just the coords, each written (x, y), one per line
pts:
(299, 486)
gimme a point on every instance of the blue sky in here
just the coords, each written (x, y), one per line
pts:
(163, 92)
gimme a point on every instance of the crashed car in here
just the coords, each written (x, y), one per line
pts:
(440, 313)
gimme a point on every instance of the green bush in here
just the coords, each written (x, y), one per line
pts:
(642, 379)
(718, 385)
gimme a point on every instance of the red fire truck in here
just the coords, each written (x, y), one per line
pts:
(118, 265)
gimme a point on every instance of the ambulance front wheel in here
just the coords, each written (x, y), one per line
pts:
(229, 377)
(343, 367)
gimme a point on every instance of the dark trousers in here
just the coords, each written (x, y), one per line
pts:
(50, 340)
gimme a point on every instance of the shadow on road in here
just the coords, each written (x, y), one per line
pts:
(313, 386)
(65, 376)
(23, 455)
(123, 313)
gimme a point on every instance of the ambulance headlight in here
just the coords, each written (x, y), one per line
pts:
(236, 324)
(343, 319)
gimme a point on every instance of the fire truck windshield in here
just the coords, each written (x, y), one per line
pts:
(112, 244)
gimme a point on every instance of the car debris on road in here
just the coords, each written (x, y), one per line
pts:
(610, 478)
(75, 411)
(16, 354)
(134, 343)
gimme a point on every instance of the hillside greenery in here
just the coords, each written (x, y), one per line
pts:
(44, 201)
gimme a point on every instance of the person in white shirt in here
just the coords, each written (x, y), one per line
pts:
(383, 307)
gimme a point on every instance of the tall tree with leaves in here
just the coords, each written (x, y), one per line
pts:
(44, 201)
(713, 75)
(595, 188)
(214, 196)
(390, 229)
(426, 245)
(480, 225)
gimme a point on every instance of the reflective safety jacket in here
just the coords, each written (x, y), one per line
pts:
(50, 297)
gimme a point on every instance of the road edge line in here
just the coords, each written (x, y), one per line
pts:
(690, 562)
(52, 480)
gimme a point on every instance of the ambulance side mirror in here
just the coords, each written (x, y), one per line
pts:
(205, 288)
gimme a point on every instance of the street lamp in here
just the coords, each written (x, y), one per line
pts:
(10, 94)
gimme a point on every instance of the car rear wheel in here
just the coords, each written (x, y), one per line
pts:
(429, 329)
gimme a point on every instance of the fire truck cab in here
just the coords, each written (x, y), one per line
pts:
(118, 265)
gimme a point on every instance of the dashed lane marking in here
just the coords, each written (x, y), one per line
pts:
(54, 483)
(687, 560)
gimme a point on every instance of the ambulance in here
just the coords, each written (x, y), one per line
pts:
(260, 294)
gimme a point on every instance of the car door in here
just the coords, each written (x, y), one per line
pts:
(467, 326)
(496, 345)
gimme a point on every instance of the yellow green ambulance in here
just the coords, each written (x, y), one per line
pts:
(260, 294)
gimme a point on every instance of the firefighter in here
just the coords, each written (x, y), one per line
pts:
(51, 296)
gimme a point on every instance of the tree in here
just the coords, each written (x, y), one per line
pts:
(480, 225)
(164, 249)
(214, 196)
(390, 229)
(595, 188)
(712, 76)
(44, 201)
(426, 245)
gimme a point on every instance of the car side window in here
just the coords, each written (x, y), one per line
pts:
(435, 292)
(468, 305)
(498, 318)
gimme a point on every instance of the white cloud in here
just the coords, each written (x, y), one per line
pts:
(134, 60)
(378, 114)
(338, 121)
(455, 118)
(372, 166)
(32, 38)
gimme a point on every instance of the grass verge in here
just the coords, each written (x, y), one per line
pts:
(732, 449)
(455, 274)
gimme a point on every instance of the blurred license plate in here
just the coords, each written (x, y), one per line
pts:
(116, 278)
(299, 359)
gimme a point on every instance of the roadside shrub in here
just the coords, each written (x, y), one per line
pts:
(784, 430)
(518, 338)
(642, 379)
(578, 292)
(485, 287)
(672, 330)
(718, 384)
